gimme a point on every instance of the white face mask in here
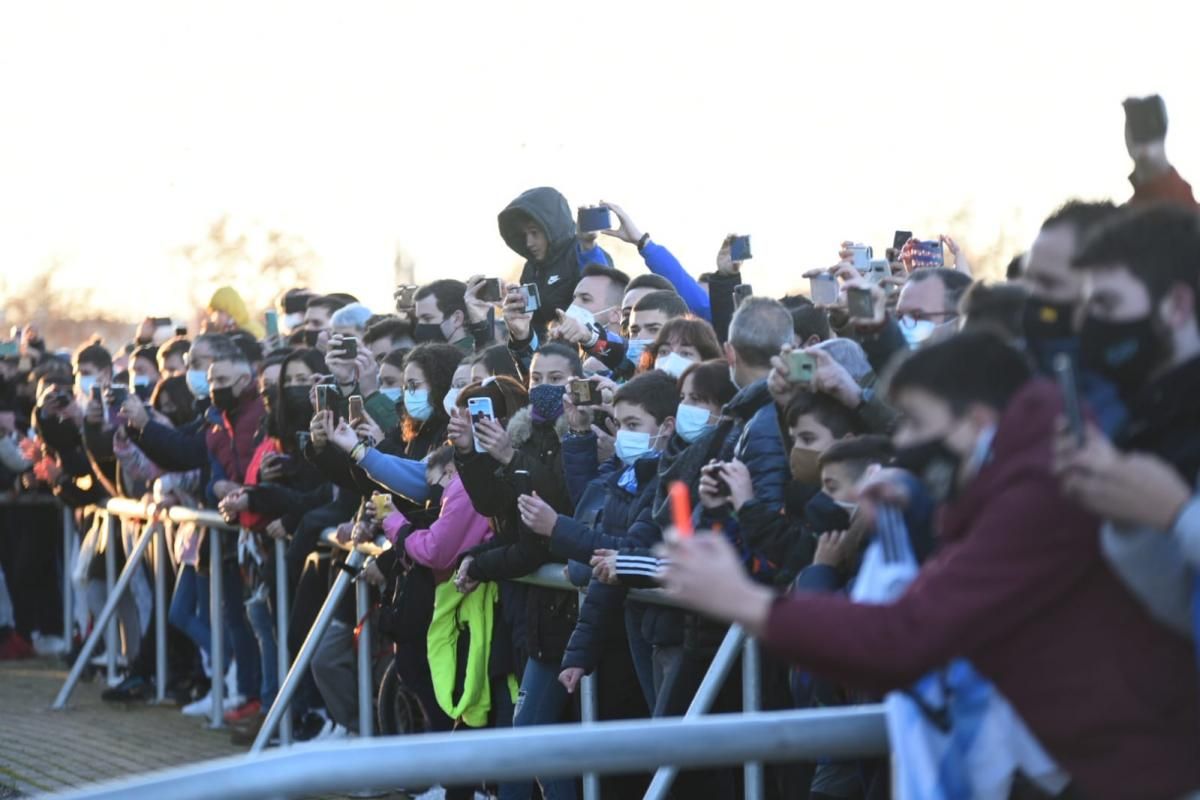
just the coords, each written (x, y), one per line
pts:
(86, 382)
(673, 364)
(292, 321)
(581, 315)
(633, 446)
(691, 422)
(450, 399)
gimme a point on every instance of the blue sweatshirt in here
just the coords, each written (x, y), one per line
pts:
(660, 261)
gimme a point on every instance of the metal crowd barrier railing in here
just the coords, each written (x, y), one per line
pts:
(579, 756)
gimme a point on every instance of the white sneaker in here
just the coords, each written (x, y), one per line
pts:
(203, 706)
(331, 731)
(48, 645)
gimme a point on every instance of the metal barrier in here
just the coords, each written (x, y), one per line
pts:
(515, 754)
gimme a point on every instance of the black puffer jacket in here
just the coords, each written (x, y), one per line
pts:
(549, 615)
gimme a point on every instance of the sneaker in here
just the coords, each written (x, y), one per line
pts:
(243, 711)
(14, 647)
(133, 689)
(244, 733)
(203, 706)
(330, 732)
(307, 727)
(48, 645)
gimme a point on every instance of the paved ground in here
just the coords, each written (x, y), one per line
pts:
(43, 750)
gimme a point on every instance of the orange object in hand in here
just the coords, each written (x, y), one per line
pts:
(681, 509)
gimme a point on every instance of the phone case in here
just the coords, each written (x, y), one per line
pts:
(739, 249)
(594, 218)
(480, 408)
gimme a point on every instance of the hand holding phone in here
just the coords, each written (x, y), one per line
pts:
(479, 408)
(356, 414)
(801, 367)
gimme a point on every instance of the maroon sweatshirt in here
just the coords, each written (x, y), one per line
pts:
(1020, 588)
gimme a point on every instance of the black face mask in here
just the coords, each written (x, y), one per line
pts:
(1045, 320)
(296, 405)
(823, 514)
(934, 463)
(1124, 353)
(224, 399)
(429, 333)
(308, 338)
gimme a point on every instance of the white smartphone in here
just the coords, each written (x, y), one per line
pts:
(479, 408)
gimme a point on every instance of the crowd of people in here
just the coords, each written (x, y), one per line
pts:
(479, 430)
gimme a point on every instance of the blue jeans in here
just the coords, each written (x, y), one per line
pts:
(262, 621)
(541, 701)
(189, 608)
(245, 648)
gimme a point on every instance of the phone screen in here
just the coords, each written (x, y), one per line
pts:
(823, 290)
(900, 238)
(1064, 371)
(1146, 119)
(584, 392)
(860, 304)
(489, 290)
(532, 296)
(356, 412)
(272, 324)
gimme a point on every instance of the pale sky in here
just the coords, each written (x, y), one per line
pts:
(127, 127)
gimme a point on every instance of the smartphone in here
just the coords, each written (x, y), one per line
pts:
(899, 239)
(356, 412)
(181, 330)
(877, 270)
(522, 482)
(801, 367)
(739, 249)
(532, 297)
(272, 324)
(584, 392)
(860, 303)
(489, 291)
(594, 218)
(348, 348)
(929, 254)
(97, 393)
(10, 349)
(381, 502)
(117, 395)
(1145, 119)
(1064, 371)
(861, 255)
(405, 296)
(741, 292)
(823, 290)
(479, 408)
(302, 440)
(323, 397)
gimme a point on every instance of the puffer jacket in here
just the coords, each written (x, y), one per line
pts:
(548, 615)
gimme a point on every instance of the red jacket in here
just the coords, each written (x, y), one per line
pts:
(1021, 589)
(231, 441)
(1166, 187)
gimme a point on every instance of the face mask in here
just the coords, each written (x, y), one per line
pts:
(197, 381)
(823, 513)
(633, 446)
(803, 463)
(449, 401)
(916, 331)
(849, 508)
(393, 393)
(581, 315)
(691, 422)
(934, 463)
(429, 333)
(297, 405)
(1124, 353)
(635, 348)
(309, 338)
(416, 403)
(547, 402)
(292, 321)
(142, 387)
(224, 398)
(673, 364)
(1043, 320)
(86, 384)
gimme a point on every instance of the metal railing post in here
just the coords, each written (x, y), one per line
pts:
(588, 715)
(706, 695)
(107, 613)
(216, 608)
(281, 644)
(752, 703)
(160, 609)
(363, 612)
(289, 685)
(112, 540)
(68, 597)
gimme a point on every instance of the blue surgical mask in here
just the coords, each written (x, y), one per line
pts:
(197, 381)
(633, 446)
(141, 380)
(673, 364)
(691, 422)
(635, 349)
(393, 393)
(86, 383)
(916, 331)
(450, 399)
(416, 403)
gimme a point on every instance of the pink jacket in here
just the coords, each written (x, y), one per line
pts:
(457, 529)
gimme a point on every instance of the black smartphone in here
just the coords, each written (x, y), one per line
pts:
(489, 291)
(348, 349)
(1064, 371)
(741, 292)
(899, 239)
(1146, 119)
(860, 303)
(522, 482)
(584, 392)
